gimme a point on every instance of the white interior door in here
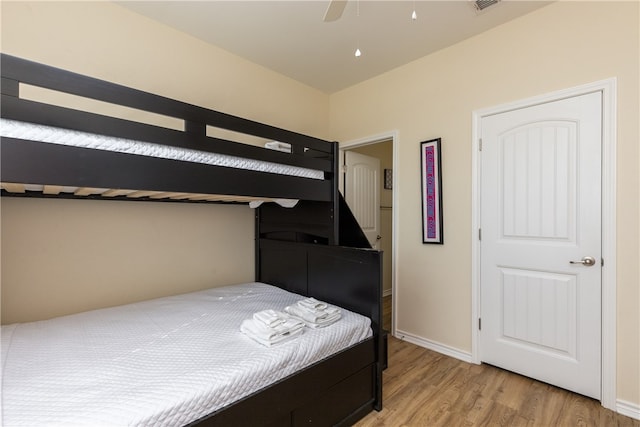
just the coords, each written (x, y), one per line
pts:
(362, 192)
(540, 243)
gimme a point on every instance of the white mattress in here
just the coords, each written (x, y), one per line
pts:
(164, 362)
(53, 135)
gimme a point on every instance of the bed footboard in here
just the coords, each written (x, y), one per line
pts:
(336, 391)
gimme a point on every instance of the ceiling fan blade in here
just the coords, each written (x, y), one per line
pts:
(335, 9)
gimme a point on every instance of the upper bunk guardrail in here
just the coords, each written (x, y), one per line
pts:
(307, 151)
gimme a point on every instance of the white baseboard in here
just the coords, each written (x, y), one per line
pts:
(628, 409)
(387, 292)
(435, 346)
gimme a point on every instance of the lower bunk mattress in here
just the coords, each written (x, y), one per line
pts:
(163, 362)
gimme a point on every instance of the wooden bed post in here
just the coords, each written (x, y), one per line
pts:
(335, 195)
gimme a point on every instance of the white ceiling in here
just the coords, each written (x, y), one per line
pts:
(291, 38)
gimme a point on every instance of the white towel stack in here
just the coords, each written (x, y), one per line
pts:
(269, 327)
(314, 313)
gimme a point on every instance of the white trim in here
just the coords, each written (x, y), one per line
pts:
(608, 88)
(628, 409)
(435, 346)
(475, 247)
(395, 226)
(609, 271)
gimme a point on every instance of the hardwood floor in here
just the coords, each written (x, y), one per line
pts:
(425, 388)
(386, 312)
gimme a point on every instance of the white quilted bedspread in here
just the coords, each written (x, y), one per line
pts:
(164, 362)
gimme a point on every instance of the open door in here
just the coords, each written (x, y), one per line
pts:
(362, 193)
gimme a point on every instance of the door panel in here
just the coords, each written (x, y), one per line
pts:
(540, 210)
(539, 310)
(538, 177)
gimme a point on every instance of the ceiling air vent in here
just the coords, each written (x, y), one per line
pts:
(481, 5)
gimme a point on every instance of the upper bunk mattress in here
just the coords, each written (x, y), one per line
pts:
(163, 362)
(53, 135)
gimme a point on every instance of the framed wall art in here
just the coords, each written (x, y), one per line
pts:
(388, 179)
(431, 175)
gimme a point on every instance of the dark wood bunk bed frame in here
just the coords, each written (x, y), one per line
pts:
(314, 249)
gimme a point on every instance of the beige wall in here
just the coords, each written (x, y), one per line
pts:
(559, 46)
(66, 256)
(104, 40)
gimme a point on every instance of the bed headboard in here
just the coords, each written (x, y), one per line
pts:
(348, 277)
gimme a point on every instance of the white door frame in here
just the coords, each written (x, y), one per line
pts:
(374, 139)
(609, 102)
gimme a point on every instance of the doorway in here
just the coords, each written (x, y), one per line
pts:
(535, 307)
(381, 148)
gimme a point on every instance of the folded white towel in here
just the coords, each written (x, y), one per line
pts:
(270, 317)
(269, 336)
(313, 304)
(326, 322)
(306, 315)
(314, 318)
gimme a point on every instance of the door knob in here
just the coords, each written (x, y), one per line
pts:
(587, 261)
(378, 237)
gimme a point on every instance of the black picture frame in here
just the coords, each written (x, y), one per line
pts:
(431, 188)
(388, 179)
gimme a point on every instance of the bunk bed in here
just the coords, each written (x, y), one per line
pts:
(313, 249)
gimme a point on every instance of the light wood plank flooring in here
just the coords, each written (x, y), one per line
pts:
(425, 388)
(386, 313)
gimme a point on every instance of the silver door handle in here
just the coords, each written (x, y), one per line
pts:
(587, 261)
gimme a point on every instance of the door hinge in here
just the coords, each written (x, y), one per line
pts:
(601, 262)
(479, 233)
(480, 144)
(479, 323)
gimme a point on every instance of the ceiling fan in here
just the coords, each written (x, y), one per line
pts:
(336, 7)
(334, 10)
